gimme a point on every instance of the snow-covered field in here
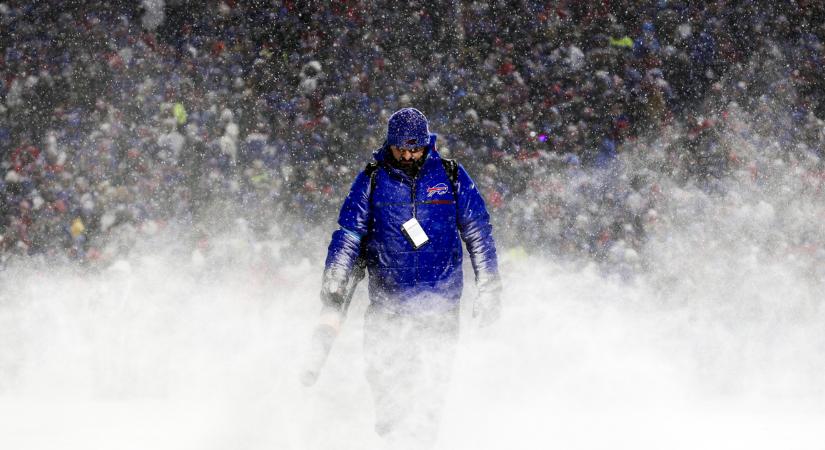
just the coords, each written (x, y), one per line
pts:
(159, 353)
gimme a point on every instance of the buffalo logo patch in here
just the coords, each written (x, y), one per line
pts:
(438, 189)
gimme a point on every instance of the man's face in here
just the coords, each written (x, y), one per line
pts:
(407, 157)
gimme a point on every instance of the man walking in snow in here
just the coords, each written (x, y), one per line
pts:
(404, 219)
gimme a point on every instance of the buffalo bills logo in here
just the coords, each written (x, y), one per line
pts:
(438, 189)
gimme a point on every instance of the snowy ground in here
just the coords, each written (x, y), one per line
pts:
(157, 354)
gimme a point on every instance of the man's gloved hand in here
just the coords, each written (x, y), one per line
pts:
(487, 307)
(333, 289)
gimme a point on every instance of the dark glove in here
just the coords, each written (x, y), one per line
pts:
(334, 288)
(487, 307)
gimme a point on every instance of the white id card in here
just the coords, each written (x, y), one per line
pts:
(412, 229)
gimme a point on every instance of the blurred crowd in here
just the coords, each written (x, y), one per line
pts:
(117, 118)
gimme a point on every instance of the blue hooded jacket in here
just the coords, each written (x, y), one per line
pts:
(400, 277)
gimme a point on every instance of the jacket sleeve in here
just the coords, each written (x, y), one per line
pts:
(345, 245)
(477, 234)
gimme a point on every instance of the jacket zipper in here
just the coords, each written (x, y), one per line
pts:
(415, 178)
(414, 188)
